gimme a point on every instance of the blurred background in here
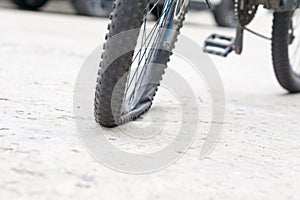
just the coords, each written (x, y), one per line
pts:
(222, 10)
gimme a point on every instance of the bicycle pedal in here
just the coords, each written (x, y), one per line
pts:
(219, 45)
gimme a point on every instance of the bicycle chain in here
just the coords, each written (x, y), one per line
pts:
(245, 15)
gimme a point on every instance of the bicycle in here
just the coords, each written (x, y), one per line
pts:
(119, 97)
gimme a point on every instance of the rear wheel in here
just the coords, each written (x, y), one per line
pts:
(285, 49)
(30, 4)
(127, 84)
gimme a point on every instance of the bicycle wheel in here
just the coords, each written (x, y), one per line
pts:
(285, 49)
(123, 92)
(30, 4)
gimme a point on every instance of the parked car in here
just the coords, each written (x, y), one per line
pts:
(223, 12)
(98, 8)
(30, 4)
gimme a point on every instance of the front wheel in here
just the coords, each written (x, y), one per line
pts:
(285, 49)
(135, 56)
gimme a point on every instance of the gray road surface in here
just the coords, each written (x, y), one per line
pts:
(41, 156)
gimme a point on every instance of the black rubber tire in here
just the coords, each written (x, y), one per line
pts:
(126, 15)
(224, 14)
(86, 7)
(285, 75)
(26, 5)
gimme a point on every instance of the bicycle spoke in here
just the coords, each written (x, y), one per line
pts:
(143, 56)
(147, 46)
(155, 42)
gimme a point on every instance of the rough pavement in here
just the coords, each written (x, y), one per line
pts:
(41, 156)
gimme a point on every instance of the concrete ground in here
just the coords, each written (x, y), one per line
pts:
(41, 156)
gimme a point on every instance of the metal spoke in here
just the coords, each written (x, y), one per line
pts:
(143, 56)
(151, 34)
